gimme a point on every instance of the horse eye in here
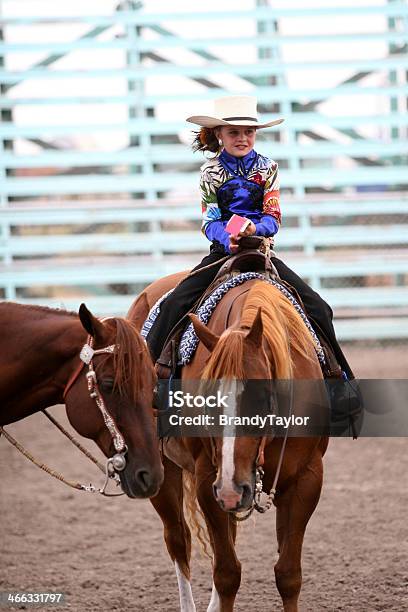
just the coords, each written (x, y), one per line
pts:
(107, 385)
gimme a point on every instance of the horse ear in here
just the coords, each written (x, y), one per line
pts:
(139, 310)
(91, 324)
(204, 334)
(256, 331)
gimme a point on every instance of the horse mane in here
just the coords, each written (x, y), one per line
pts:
(129, 354)
(284, 331)
(38, 308)
(226, 359)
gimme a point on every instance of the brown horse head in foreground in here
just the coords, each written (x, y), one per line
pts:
(108, 396)
(248, 355)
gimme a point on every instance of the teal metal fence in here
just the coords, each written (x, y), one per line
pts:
(98, 187)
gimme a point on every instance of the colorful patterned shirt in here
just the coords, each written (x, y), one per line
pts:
(246, 186)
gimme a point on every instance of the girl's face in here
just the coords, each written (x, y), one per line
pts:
(237, 141)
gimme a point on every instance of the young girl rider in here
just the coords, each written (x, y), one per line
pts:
(238, 180)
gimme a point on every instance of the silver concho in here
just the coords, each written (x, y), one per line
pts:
(119, 462)
(86, 354)
(115, 464)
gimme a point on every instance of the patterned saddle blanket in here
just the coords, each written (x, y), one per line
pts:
(189, 340)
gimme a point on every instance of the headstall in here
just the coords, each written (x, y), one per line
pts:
(114, 464)
(117, 463)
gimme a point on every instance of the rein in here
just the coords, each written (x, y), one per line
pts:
(256, 502)
(42, 466)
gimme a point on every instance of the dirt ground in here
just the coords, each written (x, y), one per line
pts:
(108, 554)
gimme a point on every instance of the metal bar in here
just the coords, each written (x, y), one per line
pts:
(204, 54)
(166, 42)
(192, 240)
(171, 154)
(48, 61)
(73, 212)
(351, 298)
(263, 94)
(390, 63)
(79, 270)
(329, 178)
(379, 328)
(129, 17)
(6, 145)
(298, 121)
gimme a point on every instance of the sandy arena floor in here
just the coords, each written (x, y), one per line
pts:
(108, 554)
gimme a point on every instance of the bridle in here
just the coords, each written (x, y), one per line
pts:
(259, 471)
(259, 474)
(117, 462)
(256, 502)
(114, 464)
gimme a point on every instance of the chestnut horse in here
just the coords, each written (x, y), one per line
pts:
(254, 333)
(43, 362)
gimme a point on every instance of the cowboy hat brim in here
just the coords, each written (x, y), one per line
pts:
(212, 122)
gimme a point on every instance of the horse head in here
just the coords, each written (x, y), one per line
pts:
(238, 360)
(112, 404)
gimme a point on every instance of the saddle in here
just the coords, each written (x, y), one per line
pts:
(252, 256)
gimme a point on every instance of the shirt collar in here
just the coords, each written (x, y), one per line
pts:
(238, 165)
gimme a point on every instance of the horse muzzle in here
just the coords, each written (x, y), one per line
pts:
(141, 483)
(235, 498)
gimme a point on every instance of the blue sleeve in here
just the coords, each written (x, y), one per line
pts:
(268, 226)
(216, 231)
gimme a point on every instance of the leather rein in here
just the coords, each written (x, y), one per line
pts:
(259, 472)
(256, 502)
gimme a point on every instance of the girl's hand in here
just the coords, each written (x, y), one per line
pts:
(234, 243)
(235, 239)
(249, 231)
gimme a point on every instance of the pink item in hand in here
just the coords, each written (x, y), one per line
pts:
(237, 224)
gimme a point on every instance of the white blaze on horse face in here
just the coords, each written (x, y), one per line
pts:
(230, 389)
(215, 603)
(186, 595)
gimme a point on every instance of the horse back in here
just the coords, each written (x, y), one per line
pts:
(148, 297)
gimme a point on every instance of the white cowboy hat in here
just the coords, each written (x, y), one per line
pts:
(233, 110)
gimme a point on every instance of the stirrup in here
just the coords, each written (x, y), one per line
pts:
(346, 406)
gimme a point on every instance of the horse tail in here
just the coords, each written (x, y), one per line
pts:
(195, 516)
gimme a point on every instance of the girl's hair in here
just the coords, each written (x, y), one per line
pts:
(206, 140)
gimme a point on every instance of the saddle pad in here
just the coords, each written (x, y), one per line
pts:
(153, 314)
(189, 340)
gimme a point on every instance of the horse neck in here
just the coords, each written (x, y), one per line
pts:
(303, 367)
(43, 352)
